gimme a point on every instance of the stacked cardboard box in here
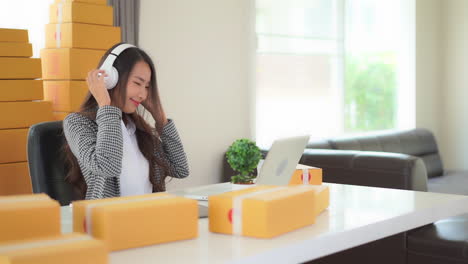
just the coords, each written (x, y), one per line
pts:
(79, 33)
(30, 228)
(20, 107)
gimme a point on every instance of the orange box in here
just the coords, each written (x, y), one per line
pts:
(32, 216)
(313, 175)
(75, 12)
(15, 49)
(69, 64)
(13, 142)
(322, 200)
(84, 36)
(69, 248)
(66, 96)
(60, 116)
(14, 179)
(20, 68)
(24, 114)
(136, 221)
(96, 2)
(262, 211)
(13, 35)
(21, 90)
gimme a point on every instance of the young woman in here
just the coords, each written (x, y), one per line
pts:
(111, 150)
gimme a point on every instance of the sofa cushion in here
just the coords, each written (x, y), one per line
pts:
(378, 169)
(454, 182)
(445, 238)
(416, 142)
(319, 144)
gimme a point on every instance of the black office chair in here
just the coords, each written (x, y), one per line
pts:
(46, 161)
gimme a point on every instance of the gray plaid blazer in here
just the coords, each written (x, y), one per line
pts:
(98, 147)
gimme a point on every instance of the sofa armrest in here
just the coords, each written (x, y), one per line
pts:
(369, 168)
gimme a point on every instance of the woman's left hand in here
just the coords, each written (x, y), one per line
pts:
(161, 119)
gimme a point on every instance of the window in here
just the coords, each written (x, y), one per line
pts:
(329, 67)
(32, 15)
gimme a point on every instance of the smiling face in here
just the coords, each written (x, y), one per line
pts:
(137, 86)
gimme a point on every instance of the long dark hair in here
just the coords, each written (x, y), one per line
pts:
(147, 137)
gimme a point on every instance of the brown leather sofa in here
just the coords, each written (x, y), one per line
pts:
(407, 160)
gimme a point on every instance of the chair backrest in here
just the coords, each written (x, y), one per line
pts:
(46, 161)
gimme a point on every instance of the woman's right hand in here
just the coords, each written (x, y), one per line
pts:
(97, 87)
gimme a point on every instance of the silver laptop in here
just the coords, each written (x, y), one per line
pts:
(277, 168)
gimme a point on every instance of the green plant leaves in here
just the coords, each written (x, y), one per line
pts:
(243, 156)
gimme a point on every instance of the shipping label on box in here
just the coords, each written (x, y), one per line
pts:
(84, 36)
(31, 216)
(136, 221)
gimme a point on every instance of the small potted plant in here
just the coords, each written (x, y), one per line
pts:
(243, 157)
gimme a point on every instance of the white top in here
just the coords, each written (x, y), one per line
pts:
(134, 178)
(357, 215)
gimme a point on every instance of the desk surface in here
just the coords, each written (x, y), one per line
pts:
(356, 215)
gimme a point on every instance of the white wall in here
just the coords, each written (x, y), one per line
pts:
(454, 88)
(201, 51)
(428, 68)
(442, 76)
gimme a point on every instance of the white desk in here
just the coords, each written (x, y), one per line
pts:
(356, 215)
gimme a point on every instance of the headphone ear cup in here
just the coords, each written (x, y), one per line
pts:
(112, 78)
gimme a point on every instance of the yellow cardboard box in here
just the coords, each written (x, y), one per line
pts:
(13, 35)
(306, 175)
(24, 114)
(136, 221)
(32, 216)
(14, 179)
(20, 90)
(262, 211)
(75, 12)
(96, 2)
(20, 68)
(69, 64)
(69, 248)
(15, 49)
(13, 142)
(60, 115)
(84, 36)
(322, 197)
(66, 96)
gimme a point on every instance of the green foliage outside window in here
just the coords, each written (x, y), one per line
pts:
(370, 93)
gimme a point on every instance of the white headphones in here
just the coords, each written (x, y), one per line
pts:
(112, 74)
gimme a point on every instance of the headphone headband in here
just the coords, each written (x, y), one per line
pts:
(109, 61)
